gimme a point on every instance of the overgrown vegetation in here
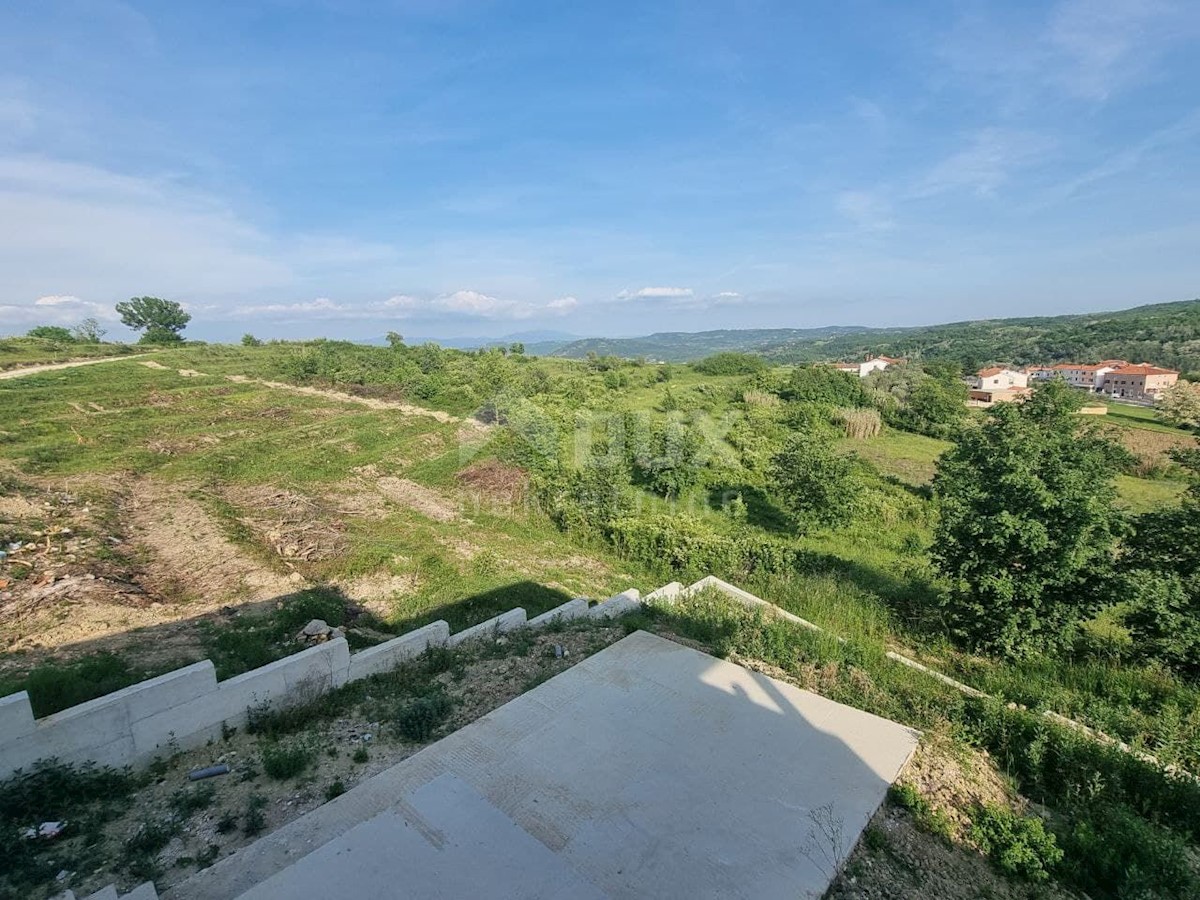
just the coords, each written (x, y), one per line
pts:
(997, 546)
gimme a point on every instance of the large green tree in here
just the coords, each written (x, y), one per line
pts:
(1027, 526)
(160, 321)
(813, 481)
(1162, 564)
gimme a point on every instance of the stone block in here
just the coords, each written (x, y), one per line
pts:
(167, 691)
(572, 609)
(514, 618)
(386, 656)
(16, 717)
(144, 891)
(667, 593)
(624, 602)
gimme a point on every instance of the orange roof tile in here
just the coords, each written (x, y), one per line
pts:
(1142, 369)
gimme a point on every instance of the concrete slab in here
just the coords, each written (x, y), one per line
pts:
(647, 770)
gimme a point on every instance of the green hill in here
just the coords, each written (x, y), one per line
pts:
(1167, 334)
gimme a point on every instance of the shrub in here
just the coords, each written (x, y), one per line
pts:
(253, 819)
(730, 363)
(814, 481)
(418, 719)
(283, 761)
(56, 686)
(1110, 852)
(1017, 845)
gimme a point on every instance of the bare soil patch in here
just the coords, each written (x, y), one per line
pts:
(99, 559)
(377, 591)
(495, 481)
(294, 526)
(426, 501)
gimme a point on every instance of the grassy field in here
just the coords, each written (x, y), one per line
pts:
(180, 473)
(25, 351)
(207, 501)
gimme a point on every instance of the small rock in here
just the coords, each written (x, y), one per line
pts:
(316, 630)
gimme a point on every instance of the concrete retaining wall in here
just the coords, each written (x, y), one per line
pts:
(188, 707)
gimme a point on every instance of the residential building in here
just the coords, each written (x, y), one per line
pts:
(1086, 376)
(998, 378)
(990, 396)
(1138, 382)
(867, 366)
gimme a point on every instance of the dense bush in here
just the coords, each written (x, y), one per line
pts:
(827, 385)
(687, 545)
(1110, 852)
(814, 481)
(1018, 846)
(730, 364)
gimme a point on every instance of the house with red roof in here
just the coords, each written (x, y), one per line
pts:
(1138, 382)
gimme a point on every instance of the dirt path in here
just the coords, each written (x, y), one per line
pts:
(369, 402)
(50, 367)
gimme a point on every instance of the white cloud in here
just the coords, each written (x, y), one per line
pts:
(113, 236)
(992, 155)
(321, 307)
(562, 305)
(866, 210)
(728, 295)
(655, 292)
(52, 309)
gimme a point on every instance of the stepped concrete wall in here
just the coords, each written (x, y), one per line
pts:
(188, 707)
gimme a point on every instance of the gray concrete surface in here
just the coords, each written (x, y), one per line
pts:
(648, 770)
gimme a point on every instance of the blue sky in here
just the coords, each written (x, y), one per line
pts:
(344, 168)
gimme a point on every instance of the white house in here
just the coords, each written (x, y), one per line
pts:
(999, 378)
(867, 366)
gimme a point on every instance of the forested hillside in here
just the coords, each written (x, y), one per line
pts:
(1166, 334)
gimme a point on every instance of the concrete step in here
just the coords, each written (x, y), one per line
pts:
(624, 602)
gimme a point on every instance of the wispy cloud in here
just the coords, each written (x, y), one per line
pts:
(1081, 49)
(991, 156)
(650, 293)
(866, 210)
(463, 303)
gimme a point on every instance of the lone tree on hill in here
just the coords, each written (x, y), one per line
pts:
(89, 331)
(1027, 525)
(159, 320)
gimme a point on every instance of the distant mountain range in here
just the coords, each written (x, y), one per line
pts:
(537, 343)
(1167, 334)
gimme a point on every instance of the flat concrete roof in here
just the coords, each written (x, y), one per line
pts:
(647, 770)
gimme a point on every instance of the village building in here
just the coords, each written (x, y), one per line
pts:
(998, 384)
(1138, 382)
(1080, 375)
(867, 366)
